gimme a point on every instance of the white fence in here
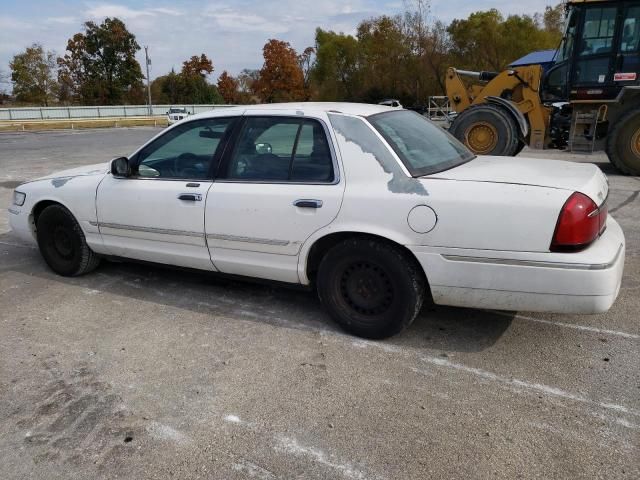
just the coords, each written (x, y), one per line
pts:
(61, 113)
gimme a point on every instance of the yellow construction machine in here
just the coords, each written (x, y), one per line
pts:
(586, 99)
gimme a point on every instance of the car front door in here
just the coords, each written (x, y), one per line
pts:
(278, 185)
(157, 214)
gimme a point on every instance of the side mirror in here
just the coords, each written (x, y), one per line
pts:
(263, 148)
(120, 167)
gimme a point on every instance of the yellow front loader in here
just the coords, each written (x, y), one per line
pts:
(589, 99)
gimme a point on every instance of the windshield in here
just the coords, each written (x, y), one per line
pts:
(423, 147)
(177, 110)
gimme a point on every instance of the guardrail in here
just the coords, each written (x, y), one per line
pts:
(107, 111)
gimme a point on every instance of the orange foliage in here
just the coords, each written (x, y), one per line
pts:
(228, 88)
(281, 78)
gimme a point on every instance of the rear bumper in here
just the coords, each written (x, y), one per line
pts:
(582, 282)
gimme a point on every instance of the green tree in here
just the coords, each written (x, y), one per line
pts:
(488, 41)
(335, 74)
(100, 65)
(190, 86)
(33, 73)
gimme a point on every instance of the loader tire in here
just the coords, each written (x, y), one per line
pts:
(623, 143)
(487, 129)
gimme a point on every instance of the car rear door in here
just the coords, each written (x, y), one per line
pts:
(157, 214)
(277, 185)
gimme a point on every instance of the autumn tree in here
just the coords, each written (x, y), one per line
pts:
(228, 88)
(99, 65)
(281, 78)
(33, 73)
(201, 65)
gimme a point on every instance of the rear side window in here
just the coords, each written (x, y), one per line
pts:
(423, 147)
(281, 149)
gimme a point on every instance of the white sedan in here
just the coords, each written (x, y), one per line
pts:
(375, 207)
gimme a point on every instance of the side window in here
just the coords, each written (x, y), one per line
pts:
(631, 31)
(599, 29)
(281, 149)
(186, 151)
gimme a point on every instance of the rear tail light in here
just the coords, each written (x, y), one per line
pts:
(580, 222)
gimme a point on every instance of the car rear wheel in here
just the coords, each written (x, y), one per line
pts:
(487, 129)
(62, 243)
(371, 288)
(623, 143)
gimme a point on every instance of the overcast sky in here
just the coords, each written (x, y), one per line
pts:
(231, 33)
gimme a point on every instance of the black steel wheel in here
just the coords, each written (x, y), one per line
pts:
(62, 243)
(372, 288)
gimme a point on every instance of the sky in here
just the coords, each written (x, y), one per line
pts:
(231, 33)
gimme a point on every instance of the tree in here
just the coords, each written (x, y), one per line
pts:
(228, 88)
(281, 78)
(33, 75)
(306, 62)
(197, 66)
(4, 81)
(335, 72)
(488, 41)
(100, 65)
(188, 86)
(553, 21)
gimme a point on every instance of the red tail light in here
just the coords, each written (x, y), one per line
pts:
(579, 224)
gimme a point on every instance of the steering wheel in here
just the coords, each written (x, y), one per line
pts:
(183, 157)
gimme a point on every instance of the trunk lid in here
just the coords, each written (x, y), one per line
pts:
(574, 177)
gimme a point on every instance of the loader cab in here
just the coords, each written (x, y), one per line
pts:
(599, 53)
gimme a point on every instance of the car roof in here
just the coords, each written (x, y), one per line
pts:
(360, 109)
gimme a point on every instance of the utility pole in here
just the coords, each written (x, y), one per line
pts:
(148, 62)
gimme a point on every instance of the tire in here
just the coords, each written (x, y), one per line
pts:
(370, 288)
(62, 243)
(623, 143)
(487, 129)
(521, 145)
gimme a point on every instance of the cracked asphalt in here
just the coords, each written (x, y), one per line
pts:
(141, 372)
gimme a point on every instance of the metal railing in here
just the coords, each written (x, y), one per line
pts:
(107, 111)
(440, 109)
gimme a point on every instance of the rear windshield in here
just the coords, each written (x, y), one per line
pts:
(423, 147)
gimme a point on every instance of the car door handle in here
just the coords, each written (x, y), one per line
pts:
(307, 203)
(190, 197)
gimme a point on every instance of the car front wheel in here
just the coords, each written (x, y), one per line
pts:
(62, 243)
(371, 288)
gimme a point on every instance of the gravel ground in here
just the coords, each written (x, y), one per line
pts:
(143, 372)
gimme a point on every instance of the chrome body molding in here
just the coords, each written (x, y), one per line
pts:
(134, 228)
(536, 263)
(235, 238)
